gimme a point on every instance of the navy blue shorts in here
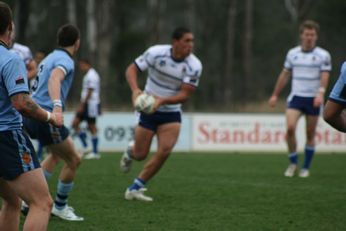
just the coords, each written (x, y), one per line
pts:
(153, 121)
(44, 132)
(17, 154)
(305, 105)
(89, 113)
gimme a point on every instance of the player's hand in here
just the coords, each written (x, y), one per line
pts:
(57, 119)
(318, 100)
(272, 101)
(135, 94)
(158, 103)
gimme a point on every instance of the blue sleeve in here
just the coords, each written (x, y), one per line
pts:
(15, 77)
(66, 64)
(338, 93)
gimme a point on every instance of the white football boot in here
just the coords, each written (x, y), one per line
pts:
(137, 195)
(67, 213)
(290, 170)
(126, 161)
(304, 173)
(92, 155)
(24, 208)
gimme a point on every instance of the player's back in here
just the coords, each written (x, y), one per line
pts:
(12, 81)
(91, 80)
(61, 59)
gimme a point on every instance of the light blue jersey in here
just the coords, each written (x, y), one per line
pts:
(13, 80)
(338, 94)
(59, 58)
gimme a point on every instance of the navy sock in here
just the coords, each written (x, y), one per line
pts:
(309, 153)
(293, 157)
(82, 136)
(95, 141)
(137, 184)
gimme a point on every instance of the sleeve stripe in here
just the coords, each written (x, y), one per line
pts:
(18, 92)
(63, 69)
(137, 66)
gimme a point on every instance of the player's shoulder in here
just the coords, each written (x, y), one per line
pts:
(159, 49)
(321, 51)
(92, 74)
(8, 56)
(21, 47)
(343, 67)
(194, 62)
(295, 50)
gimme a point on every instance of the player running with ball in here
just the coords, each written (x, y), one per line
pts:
(173, 75)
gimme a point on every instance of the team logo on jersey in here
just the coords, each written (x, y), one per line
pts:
(162, 63)
(20, 80)
(26, 158)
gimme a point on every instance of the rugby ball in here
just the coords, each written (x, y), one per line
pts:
(145, 103)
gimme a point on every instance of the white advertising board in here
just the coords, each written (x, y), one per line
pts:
(257, 132)
(115, 130)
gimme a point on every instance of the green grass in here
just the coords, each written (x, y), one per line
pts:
(211, 192)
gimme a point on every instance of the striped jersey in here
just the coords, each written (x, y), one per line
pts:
(166, 75)
(61, 59)
(13, 80)
(306, 68)
(91, 80)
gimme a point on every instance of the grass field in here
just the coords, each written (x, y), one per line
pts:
(211, 192)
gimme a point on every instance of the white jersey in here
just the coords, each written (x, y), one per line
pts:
(91, 80)
(24, 52)
(166, 75)
(306, 68)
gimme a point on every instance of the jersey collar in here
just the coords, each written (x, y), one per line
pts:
(174, 59)
(62, 49)
(2, 43)
(307, 51)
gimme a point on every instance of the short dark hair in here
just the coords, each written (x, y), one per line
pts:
(5, 17)
(179, 32)
(85, 60)
(67, 35)
(309, 24)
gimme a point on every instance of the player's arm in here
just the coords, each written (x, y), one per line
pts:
(318, 100)
(335, 115)
(54, 87)
(31, 67)
(280, 84)
(23, 103)
(182, 96)
(131, 78)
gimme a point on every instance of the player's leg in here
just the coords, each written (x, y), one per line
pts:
(33, 189)
(94, 140)
(82, 135)
(292, 117)
(311, 124)
(9, 214)
(167, 135)
(49, 164)
(139, 148)
(65, 151)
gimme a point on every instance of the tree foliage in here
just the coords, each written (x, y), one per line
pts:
(242, 44)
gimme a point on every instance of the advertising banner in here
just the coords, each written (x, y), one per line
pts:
(257, 132)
